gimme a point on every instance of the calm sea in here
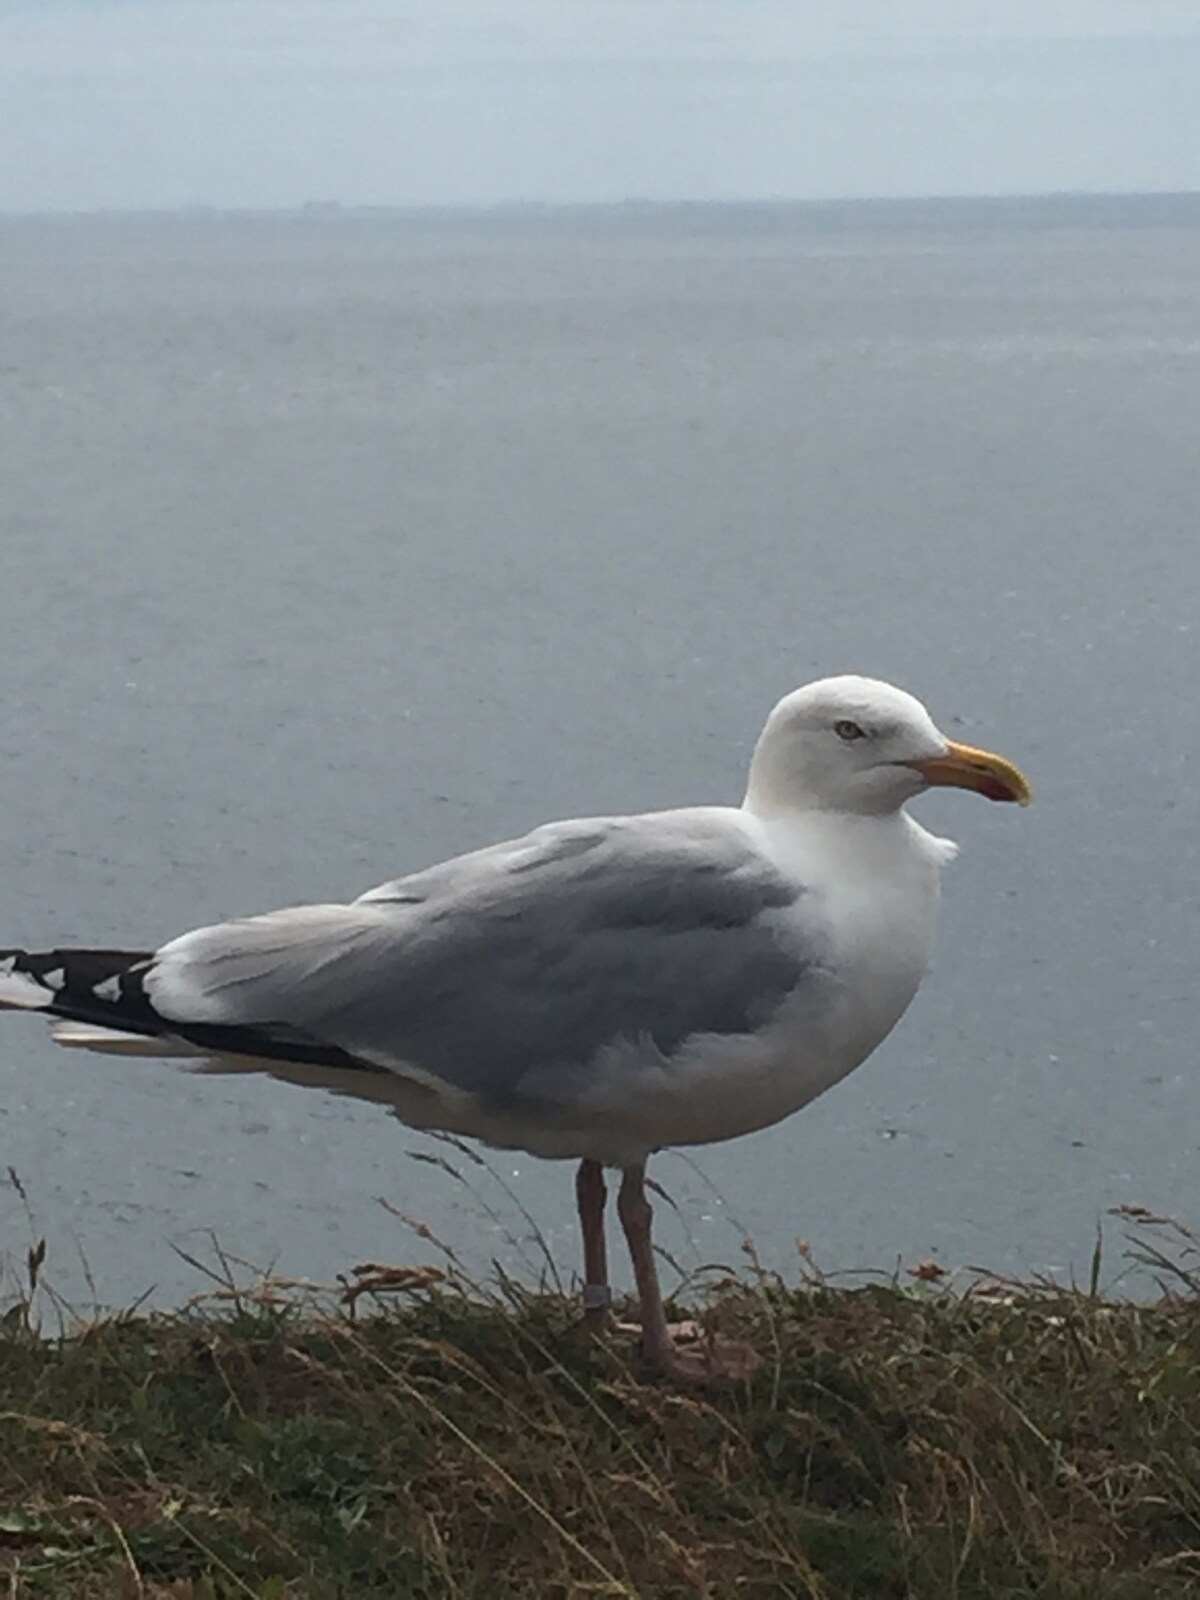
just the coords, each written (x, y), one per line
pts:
(331, 544)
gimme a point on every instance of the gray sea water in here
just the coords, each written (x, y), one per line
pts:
(334, 544)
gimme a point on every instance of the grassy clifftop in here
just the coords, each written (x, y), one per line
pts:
(900, 1441)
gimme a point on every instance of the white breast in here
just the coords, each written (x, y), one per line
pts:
(871, 902)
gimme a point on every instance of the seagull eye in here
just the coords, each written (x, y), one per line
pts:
(845, 729)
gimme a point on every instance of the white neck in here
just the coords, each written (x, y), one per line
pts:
(771, 794)
(856, 840)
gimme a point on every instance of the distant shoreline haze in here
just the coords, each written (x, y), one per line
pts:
(1103, 206)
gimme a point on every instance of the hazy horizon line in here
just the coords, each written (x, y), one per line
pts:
(317, 205)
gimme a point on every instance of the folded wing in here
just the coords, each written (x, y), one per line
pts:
(484, 973)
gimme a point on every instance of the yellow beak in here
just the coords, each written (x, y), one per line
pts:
(964, 767)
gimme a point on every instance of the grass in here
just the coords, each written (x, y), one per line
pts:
(419, 1441)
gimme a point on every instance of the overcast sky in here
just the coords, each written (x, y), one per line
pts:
(130, 103)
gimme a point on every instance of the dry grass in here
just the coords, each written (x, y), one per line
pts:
(419, 1442)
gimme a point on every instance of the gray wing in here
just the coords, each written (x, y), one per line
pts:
(513, 960)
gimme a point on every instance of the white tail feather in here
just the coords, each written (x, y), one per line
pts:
(18, 992)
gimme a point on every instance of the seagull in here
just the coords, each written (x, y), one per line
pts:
(597, 990)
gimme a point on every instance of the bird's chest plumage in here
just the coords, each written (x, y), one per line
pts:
(871, 905)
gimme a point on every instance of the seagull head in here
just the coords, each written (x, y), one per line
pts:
(858, 746)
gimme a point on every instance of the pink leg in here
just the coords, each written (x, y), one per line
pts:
(636, 1215)
(591, 1195)
(698, 1364)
